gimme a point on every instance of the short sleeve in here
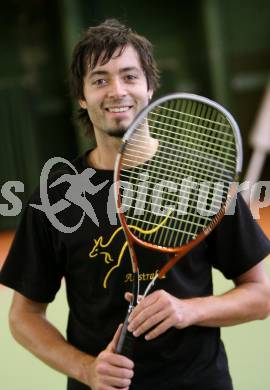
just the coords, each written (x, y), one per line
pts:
(32, 266)
(237, 243)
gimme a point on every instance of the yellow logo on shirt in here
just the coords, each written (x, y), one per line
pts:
(99, 246)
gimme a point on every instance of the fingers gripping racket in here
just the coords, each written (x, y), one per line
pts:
(174, 176)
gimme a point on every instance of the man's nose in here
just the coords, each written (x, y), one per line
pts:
(117, 89)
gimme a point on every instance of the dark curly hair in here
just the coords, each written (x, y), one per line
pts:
(99, 43)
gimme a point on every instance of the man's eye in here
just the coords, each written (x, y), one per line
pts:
(131, 77)
(99, 82)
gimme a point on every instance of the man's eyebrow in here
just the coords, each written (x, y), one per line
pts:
(130, 69)
(98, 73)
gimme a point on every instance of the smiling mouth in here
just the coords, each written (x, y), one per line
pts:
(118, 109)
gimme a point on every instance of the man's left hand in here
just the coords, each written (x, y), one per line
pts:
(160, 311)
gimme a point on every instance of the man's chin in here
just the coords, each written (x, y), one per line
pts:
(117, 133)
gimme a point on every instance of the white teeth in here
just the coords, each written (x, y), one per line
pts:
(118, 109)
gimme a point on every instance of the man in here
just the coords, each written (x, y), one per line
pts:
(113, 77)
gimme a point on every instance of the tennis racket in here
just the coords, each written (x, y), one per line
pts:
(174, 178)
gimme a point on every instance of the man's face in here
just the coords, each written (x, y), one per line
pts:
(115, 92)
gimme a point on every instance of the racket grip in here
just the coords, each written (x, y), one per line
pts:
(126, 340)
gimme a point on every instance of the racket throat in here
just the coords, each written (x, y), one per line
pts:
(135, 289)
(150, 285)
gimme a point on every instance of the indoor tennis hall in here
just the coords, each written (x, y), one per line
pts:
(212, 48)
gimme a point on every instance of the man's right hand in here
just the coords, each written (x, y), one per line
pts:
(109, 370)
(30, 327)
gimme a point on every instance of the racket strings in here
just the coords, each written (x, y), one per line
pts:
(205, 146)
(186, 114)
(181, 155)
(167, 176)
(202, 159)
(147, 212)
(220, 140)
(198, 112)
(188, 171)
(204, 165)
(152, 205)
(190, 226)
(162, 235)
(226, 156)
(190, 124)
(185, 187)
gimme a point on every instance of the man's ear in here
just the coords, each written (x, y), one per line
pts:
(82, 103)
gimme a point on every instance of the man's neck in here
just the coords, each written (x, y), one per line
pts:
(103, 156)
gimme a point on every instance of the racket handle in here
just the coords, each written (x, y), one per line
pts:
(126, 340)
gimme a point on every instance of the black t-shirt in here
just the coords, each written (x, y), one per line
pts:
(95, 263)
